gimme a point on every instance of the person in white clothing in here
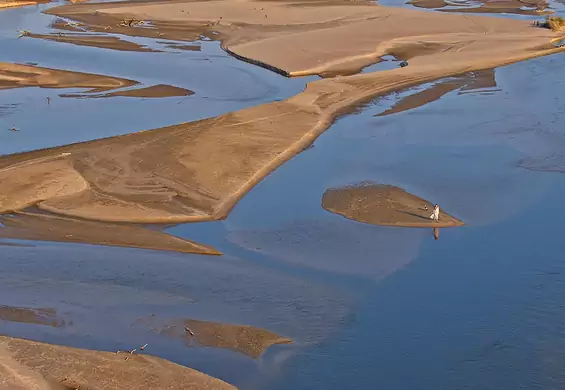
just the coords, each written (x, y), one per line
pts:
(435, 215)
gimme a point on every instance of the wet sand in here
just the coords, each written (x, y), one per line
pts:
(468, 81)
(155, 91)
(245, 339)
(520, 7)
(205, 167)
(384, 205)
(25, 315)
(19, 76)
(44, 227)
(32, 365)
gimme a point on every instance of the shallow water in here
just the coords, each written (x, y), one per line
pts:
(367, 306)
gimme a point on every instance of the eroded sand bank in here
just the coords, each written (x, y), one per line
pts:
(197, 171)
(384, 205)
(28, 365)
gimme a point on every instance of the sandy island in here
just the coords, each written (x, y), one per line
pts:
(197, 171)
(245, 339)
(26, 365)
(385, 205)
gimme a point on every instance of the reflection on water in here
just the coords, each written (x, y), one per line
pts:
(436, 233)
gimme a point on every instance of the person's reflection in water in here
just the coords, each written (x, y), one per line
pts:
(436, 233)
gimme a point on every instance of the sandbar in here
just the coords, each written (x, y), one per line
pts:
(26, 364)
(154, 91)
(385, 205)
(45, 227)
(520, 7)
(100, 41)
(245, 339)
(19, 76)
(20, 3)
(197, 171)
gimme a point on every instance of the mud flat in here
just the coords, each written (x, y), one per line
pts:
(28, 364)
(386, 205)
(197, 171)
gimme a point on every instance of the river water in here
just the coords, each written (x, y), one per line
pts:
(366, 306)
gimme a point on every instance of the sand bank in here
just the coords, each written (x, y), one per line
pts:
(101, 41)
(19, 76)
(245, 339)
(197, 171)
(465, 82)
(384, 205)
(27, 315)
(155, 91)
(43, 227)
(28, 365)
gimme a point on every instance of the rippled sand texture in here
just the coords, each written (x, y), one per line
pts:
(387, 205)
(31, 365)
(197, 171)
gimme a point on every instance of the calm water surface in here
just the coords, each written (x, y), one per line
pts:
(367, 306)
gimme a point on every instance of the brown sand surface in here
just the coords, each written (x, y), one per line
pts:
(532, 7)
(29, 365)
(25, 315)
(20, 3)
(44, 227)
(197, 171)
(154, 91)
(101, 41)
(386, 205)
(246, 339)
(464, 82)
(18, 76)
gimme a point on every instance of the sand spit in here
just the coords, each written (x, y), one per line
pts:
(44, 227)
(101, 41)
(28, 365)
(28, 315)
(386, 205)
(20, 3)
(465, 82)
(19, 76)
(155, 91)
(245, 339)
(197, 171)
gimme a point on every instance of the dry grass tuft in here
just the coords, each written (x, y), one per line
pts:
(555, 23)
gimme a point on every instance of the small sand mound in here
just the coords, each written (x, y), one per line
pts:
(246, 339)
(386, 205)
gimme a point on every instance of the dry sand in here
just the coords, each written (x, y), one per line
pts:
(18, 76)
(384, 205)
(197, 171)
(246, 339)
(20, 3)
(28, 365)
(44, 227)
